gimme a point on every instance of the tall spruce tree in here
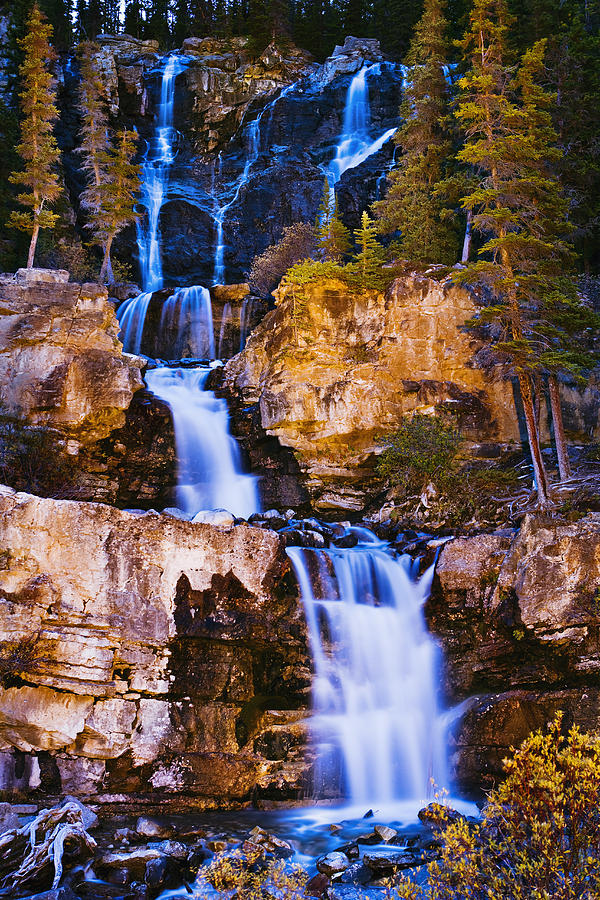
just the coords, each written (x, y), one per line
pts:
(37, 148)
(518, 206)
(94, 135)
(116, 197)
(412, 205)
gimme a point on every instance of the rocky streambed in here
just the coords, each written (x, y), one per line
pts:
(75, 855)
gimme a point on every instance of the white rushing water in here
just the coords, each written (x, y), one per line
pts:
(155, 178)
(131, 316)
(221, 208)
(186, 324)
(186, 318)
(356, 143)
(375, 717)
(208, 458)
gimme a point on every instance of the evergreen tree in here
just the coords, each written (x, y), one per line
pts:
(575, 69)
(518, 205)
(368, 260)
(37, 148)
(393, 23)
(115, 198)
(412, 205)
(333, 238)
(93, 108)
(133, 24)
(94, 136)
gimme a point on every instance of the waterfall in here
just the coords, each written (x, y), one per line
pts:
(209, 467)
(155, 179)
(186, 318)
(375, 720)
(355, 144)
(186, 324)
(132, 317)
(253, 139)
(252, 133)
(226, 317)
(246, 320)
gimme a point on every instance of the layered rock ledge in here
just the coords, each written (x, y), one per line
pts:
(166, 662)
(518, 616)
(61, 363)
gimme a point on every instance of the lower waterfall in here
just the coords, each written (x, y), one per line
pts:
(209, 472)
(375, 724)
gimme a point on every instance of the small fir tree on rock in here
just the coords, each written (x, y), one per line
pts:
(369, 257)
(412, 205)
(333, 238)
(37, 148)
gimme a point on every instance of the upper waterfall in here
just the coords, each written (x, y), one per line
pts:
(155, 178)
(356, 143)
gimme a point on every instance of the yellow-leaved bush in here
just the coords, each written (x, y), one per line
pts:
(539, 836)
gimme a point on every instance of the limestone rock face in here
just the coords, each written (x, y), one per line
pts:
(331, 384)
(163, 650)
(518, 616)
(61, 363)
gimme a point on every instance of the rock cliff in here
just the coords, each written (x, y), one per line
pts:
(330, 380)
(138, 657)
(253, 138)
(519, 620)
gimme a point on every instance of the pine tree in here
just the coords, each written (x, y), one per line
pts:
(412, 205)
(518, 205)
(333, 238)
(115, 205)
(368, 260)
(38, 148)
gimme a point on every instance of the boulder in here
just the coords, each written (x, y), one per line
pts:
(333, 864)
(61, 364)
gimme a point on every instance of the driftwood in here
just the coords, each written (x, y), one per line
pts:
(34, 853)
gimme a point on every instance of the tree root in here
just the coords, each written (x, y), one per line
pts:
(30, 853)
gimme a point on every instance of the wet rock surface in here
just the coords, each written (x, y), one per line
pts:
(122, 861)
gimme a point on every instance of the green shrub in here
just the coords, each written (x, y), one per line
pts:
(422, 450)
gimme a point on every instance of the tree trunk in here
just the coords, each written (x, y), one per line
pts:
(564, 465)
(106, 260)
(466, 251)
(539, 470)
(32, 246)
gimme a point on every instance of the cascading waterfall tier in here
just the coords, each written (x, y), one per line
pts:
(252, 136)
(155, 178)
(208, 458)
(356, 144)
(185, 329)
(375, 723)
